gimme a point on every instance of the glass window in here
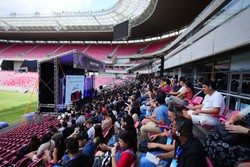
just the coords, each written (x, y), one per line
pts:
(233, 103)
(222, 81)
(246, 84)
(235, 82)
(244, 104)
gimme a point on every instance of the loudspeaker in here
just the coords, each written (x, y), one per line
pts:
(177, 133)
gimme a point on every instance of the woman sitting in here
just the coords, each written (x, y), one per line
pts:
(224, 153)
(123, 154)
(184, 97)
(126, 124)
(134, 108)
(47, 144)
(98, 138)
(54, 156)
(32, 146)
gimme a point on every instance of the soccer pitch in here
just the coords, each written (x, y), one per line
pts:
(14, 105)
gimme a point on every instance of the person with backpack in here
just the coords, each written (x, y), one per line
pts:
(123, 154)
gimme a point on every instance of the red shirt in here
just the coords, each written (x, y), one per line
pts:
(127, 159)
(189, 94)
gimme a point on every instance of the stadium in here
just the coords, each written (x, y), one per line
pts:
(66, 73)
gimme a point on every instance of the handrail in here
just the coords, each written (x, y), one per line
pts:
(229, 94)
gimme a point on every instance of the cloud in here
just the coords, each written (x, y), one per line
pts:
(44, 6)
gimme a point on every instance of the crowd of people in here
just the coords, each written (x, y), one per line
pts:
(102, 133)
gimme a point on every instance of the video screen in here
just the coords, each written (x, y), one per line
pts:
(74, 88)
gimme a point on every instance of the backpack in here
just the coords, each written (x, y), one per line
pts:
(105, 160)
(23, 151)
(143, 146)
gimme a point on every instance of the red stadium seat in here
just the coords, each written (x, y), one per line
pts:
(196, 100)
(36, 163)
(209, 162)
(223, 120)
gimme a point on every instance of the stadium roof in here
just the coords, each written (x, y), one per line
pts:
(148, 18)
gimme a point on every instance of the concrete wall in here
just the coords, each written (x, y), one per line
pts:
(234, 33)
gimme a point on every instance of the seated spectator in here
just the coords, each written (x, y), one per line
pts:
(126, 124)
(161, 118)
(168, 146)
(33, 145)
(150, 113)
(183, 87)
(47, 144)
(113, 107)
(86, 146)
(91, 128)
(152, 95)
(106, 122)
(98, 138)
(188, 151)
(87, 113)
(127, 150)
(175, 93)
(80, 120)
(167, 88)
(124, 152)
(213, 103)
(98, 117)
(184, 97)
(174, 86)
(60, 128)
(54, 156)
(76, 159)
(68, 130)
(134, 108)
(55, 134)
(163, 83)
(223, 153)
(112, 116)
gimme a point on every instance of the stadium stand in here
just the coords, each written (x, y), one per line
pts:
(41, 51)
(17, 79)
(16, 50)
(100, 52)
(103, 80)
(67, 48)
(12, 140)
(157, 45)
(126, 50)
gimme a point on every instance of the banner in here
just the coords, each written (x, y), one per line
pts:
(74, 88)
(88, 63)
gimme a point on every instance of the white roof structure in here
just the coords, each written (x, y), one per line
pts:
(137, 11)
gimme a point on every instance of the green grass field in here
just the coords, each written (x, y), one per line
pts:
(13, 105)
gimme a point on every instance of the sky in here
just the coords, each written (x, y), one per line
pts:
(47, 6)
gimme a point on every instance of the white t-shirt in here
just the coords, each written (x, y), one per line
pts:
(91, 132)
(182, 89)
(115, 113)
(80, 120)
(45, 146)
(215, 100)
